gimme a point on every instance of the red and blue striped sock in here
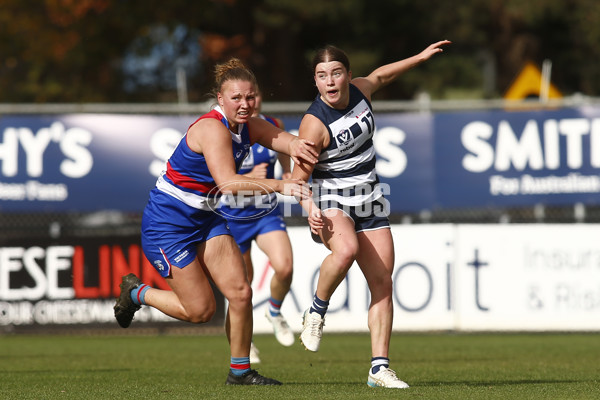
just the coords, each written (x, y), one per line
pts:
(240, 365)
(138, 294)
(275, 306)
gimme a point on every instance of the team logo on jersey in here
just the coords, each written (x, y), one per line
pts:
(158, 265)
(343, 137)
(242, 152)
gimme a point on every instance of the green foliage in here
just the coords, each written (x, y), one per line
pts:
(437, 366)
(73, 51)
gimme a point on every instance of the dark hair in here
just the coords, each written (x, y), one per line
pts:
(330, 53)
(232, 70)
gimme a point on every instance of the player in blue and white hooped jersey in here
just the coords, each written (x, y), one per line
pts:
(260, 219)
(349, 212)
(185, 238)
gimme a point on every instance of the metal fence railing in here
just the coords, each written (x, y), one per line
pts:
(422, 104)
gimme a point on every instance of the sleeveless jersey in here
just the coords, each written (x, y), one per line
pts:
(345, 171)
(188, 178)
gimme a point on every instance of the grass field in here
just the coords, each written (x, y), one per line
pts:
(437, 366)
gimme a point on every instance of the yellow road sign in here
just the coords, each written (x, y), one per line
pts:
(528, 84)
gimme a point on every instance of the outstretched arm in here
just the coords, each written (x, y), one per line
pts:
(274, 138)
(386, 74)
(210, 138)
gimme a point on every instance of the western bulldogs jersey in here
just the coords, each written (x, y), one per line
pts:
(242, 207)
(187, 177)
(345, 171)
(180, 212)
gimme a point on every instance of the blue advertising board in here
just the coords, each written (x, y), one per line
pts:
(83, 162)
(90, 162)
(517, 158)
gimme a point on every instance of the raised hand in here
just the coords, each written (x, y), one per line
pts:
(433, 49)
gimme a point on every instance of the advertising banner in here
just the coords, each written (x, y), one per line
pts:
(422, 283)
(83, 162)
(528, 277)
(73, 282)
(459, 277)
(517, 158)
(91, 162)
(513, 277)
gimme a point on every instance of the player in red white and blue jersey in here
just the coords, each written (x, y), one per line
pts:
(260, 219)
(184, 237)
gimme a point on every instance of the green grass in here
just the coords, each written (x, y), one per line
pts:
(437, 366)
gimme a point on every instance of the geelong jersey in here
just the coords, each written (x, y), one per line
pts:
(247, 207)
(345, 171)
(188, 178)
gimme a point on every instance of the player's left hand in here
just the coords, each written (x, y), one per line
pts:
(315, 220)
(433, 49)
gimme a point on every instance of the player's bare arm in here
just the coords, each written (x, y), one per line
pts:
(312, 129)
(211, 138)
(386, 74)
(272, 137)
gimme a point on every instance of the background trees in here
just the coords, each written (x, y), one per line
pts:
(131, 51)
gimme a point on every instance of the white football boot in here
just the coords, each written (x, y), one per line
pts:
(312, 330)
(387, 378)
(254, 358)
(281, 329)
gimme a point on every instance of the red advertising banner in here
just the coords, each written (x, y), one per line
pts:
(73, 282)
